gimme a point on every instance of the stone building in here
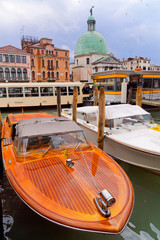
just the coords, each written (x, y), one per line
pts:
(137, 62)
(48, 63)
(14, 64)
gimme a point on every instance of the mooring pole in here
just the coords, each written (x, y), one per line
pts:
(74, 104)
(59, 101)
(101, 119)
(95, 95)
(0, 124)
(139, 96)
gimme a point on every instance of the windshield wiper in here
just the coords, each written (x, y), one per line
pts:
(77, 146)
(47, 150)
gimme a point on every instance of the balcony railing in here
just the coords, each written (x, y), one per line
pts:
(13, 79)
(50, 68)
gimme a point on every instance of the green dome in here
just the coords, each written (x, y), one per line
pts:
(90, 42)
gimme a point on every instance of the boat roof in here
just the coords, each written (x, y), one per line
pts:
(45, 126)
(123, 110)
(115, 111)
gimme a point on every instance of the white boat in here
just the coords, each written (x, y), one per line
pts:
(130, 133)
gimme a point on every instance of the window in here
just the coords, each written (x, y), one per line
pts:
(71, 89)
(13, 73)
(118, 84)
(19, 73)
(24, 59)
(7, 74)
(42, 52)
(147, 83)
(57, 75)
(32, 50)
(31, 91)
(12, 58)
(0, 57)
(25, 75)
(66, 64)
(1, 73)
(6, 58)
(156, 83)
(46, 52)
(32, 62)
(57, 65)
(87, 60)
(46, 91)
(3, 93)
(15, 92)
(144, 68)
(63, 91)
(52, 64)
(66, 75)
(43, 75)
(66, 54)
(52, 75)
(48, 64)
(33, 74)
(48, 75)
(18, 59)
(43, 63)
(77, 62)
(56, 53)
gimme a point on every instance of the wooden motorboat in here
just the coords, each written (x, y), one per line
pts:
(62, 177)
(130, 135)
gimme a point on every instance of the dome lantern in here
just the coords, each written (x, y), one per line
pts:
(91, 22)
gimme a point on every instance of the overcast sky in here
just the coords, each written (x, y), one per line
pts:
(131, 27)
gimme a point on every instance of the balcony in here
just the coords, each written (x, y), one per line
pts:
(13, 79)
(50, 68)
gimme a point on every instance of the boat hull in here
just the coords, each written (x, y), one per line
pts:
(126, 153)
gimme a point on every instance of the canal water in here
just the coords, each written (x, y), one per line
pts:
(19, 222)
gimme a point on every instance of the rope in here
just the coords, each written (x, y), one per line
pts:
(90, 172)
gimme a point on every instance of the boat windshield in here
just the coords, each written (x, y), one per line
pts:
(132, 120)
(30, 145)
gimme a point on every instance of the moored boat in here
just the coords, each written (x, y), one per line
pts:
(62, 177)
(131, 135)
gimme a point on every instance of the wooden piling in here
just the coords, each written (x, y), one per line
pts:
(101, 119)
(59, 101)
(95, 95)
(74, 104)
(139, 96)
(0, 124)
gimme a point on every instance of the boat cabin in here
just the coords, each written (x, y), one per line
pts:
(39, 135)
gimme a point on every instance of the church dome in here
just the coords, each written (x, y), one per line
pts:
(91, 41)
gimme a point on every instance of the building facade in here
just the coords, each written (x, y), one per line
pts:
(48, 63)
(14, 65)
(137, 62)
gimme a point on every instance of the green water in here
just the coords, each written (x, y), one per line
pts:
(21, 223)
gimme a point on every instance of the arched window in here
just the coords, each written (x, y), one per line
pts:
(66, 75)
(13, 74)
(57, 65)
(43, 75)
(7, 74)
(32, 62)
(33, 74)
(48, 75)
(52, 74)
(25, 75)
(43, 63)
(19, 73)
(57, 75)
(48, 64)
(1, 73)
(52, 64)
